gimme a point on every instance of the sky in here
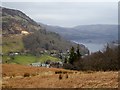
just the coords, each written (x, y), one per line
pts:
(68, 14)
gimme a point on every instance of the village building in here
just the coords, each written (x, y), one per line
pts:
(48, 64)
(38, 64)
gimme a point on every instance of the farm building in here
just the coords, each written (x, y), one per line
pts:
(48, 64)
(38, 64)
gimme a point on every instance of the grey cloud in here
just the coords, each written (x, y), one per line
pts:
(68, 14)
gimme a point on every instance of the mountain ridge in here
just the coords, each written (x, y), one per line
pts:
(15, 21)
(95, 33)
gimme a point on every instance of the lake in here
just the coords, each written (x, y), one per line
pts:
(93, 47)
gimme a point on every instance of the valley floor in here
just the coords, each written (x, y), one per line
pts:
(40, 77)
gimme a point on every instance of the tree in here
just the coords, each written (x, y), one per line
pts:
(46, 46)
(78, 52)
(65, 61)
(72, 55)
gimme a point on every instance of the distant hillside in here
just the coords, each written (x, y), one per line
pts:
(98, 33)
(21, 33)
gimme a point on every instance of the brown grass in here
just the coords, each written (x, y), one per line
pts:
(47, 78)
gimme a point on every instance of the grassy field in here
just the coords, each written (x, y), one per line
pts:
(40, 77)
(28, 59)
(12, 43)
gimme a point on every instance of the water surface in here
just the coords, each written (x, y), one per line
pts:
(93, 47)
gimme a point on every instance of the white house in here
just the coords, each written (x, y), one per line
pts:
(38, 64)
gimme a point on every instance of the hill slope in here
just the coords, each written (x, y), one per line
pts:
(33, 37)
